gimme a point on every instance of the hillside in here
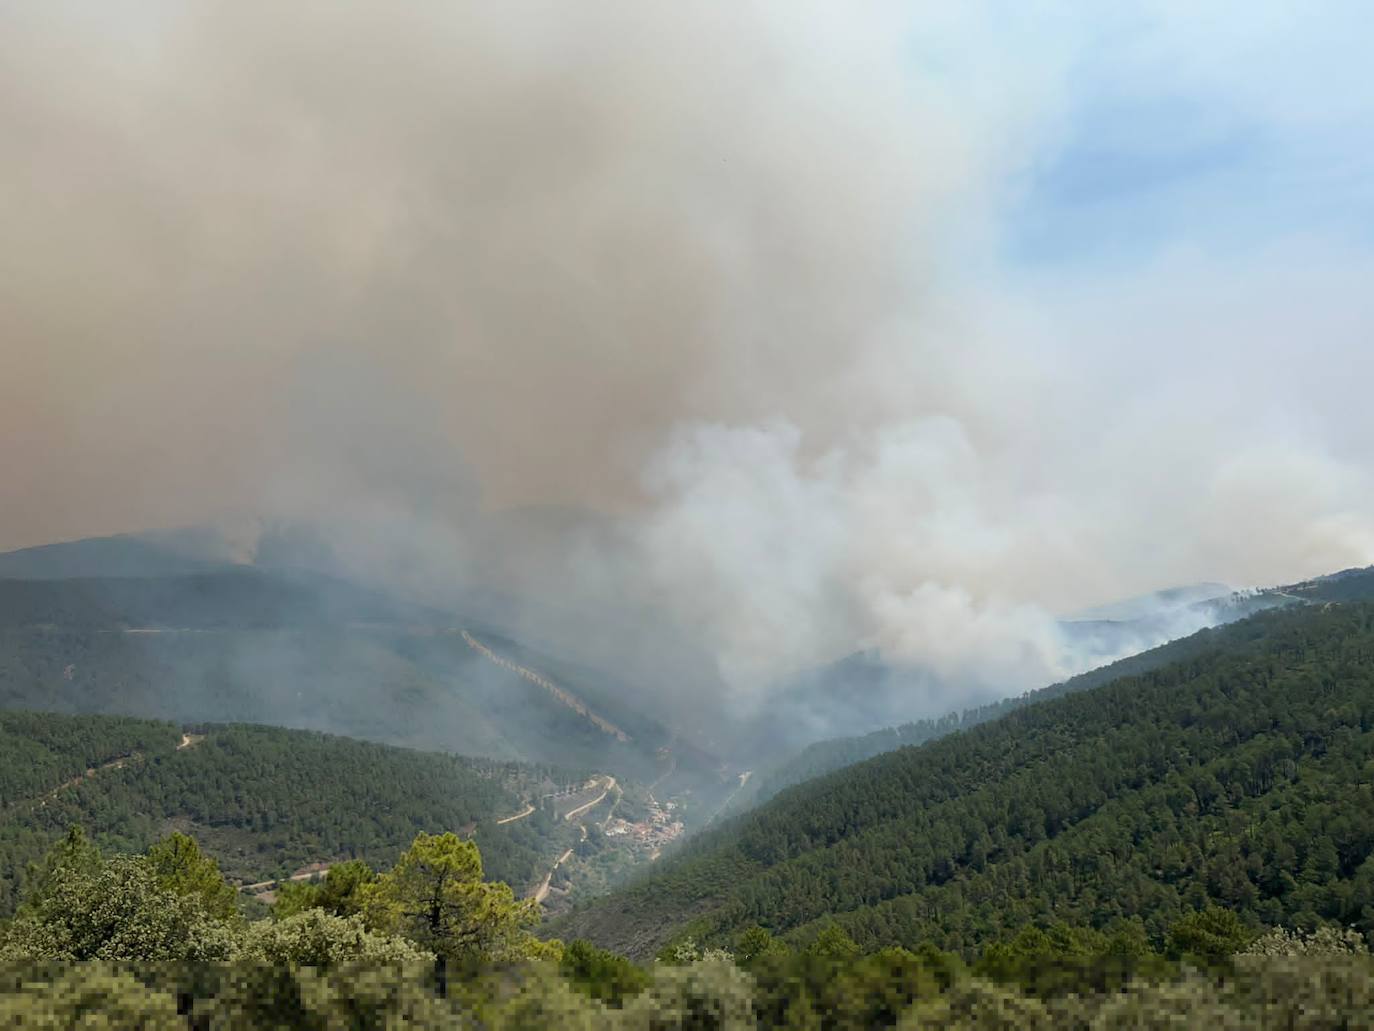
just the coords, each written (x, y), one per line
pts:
(263, 801)
(308, 651)
(1238, 773)
(512, 580)
(823, 756)
(866, 693)
(155, 553)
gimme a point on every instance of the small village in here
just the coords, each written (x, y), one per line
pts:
(653, 834)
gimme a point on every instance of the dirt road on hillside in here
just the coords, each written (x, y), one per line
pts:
(610, 783)
(543, 892)
(518, 816)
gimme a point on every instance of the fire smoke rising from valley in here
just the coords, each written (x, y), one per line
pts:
(790, 323)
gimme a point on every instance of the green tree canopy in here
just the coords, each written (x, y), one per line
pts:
(319, 939)
(183, 869)
(92, 998)
(435, 896)
(341, 892)
(116, 911)
(1211, 933)
(602, 974)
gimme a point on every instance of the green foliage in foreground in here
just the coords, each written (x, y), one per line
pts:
(173, 905)
(145, 941)
(1333, 994)
(85, 907)
(341, 891)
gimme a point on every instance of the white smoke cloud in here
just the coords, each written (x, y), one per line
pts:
(733, 279)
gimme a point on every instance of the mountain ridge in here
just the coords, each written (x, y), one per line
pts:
(822, 756)
(920, 843)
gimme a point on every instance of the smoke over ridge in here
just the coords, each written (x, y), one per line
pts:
(729, 282)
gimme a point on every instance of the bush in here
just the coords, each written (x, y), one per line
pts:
(711, 994)
(91, 997)
(319, 939)
(1209, 934)
(1309, 993)
(1194, 1002)
(1325, 941)
(361, 996)
(534, 999)
(978, 1005)
(602, 974)
(117, 911)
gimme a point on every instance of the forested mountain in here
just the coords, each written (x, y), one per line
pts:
(149, 554)
(1238, 773)
(864, 693)
(263, 801)
(823, 756)
(304, 650)
(220, 599)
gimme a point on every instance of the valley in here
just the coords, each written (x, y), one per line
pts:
(1204, 777)
(687, 517)
(1201, 774)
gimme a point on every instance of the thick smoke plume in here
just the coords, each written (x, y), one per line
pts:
(696, 310)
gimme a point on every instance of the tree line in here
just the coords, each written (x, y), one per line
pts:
(156, 941)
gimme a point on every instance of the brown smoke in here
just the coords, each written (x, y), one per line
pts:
(727, 270)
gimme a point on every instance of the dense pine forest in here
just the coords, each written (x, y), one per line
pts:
(1237, 775)
(823, 756)
(262, 800)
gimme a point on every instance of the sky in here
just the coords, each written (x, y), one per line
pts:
(1182, 124)
(903, 326)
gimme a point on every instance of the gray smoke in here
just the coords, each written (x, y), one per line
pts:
(647, 313)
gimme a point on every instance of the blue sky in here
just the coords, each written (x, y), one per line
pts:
(1221, 132)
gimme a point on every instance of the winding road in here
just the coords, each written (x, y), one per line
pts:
(619, 795)
(529, 808)
(117, 763)
(610, 783)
